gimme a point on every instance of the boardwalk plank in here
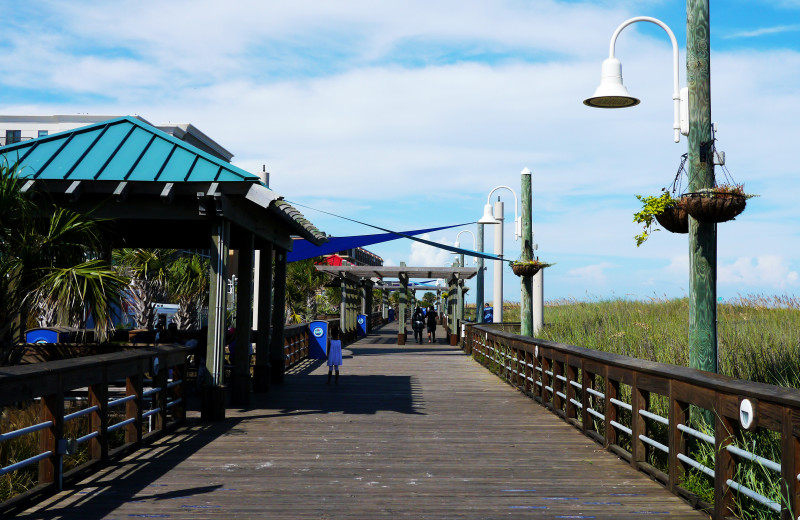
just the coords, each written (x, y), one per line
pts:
(420, 431)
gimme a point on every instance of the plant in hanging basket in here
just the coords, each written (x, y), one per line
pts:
(664, 209)
(528, 267)
(718, 204)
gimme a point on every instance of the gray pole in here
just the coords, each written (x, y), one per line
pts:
(277, 354)
(240, 379)
(479, 281)
(498, 264)
(526, 293)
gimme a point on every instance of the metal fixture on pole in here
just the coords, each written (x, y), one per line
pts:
(496, 217)
(693, 119)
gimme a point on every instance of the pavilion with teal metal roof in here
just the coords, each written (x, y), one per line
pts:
(159, 191)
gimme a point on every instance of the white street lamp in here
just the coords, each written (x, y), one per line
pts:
(458, 244)
(612, 93)
(498, 246)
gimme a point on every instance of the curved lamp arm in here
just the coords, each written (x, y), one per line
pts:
(676, 96)
(517, 221)
(474, 242)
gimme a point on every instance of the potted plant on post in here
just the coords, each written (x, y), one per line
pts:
(666, 210)
(721, 203)
(528, 267)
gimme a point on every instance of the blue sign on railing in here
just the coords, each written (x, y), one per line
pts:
(362, 322)
(318, 340)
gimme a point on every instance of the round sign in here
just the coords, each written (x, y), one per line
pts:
(318, 332)
(361, 320)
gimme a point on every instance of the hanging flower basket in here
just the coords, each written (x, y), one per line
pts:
(715, 205)
(674, 219)
(528, 267)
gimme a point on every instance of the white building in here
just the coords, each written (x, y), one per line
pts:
(14, 129)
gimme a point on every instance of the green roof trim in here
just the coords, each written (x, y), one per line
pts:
(122, 149)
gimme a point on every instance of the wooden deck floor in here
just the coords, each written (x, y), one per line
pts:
(420, 431)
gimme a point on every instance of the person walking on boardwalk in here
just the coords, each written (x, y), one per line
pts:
(431, 321)
(334, 356)
(418, 323)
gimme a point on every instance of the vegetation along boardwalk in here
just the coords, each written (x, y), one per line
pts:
(414, 431)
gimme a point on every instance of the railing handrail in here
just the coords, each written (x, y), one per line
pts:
(23, 382)
(718, 382)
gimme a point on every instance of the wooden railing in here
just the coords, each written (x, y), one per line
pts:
(653, 415)
(130, 392)
(295, 343)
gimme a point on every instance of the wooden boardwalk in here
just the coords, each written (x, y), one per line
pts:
(419, 431)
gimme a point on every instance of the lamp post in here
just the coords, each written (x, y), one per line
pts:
(458, 244)
(692, 118)
(496, 217)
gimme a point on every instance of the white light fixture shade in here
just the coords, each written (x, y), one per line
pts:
(611, 93)
(457, 244)
(488, 217)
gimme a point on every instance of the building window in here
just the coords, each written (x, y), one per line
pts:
(42, 133)
(13, 136)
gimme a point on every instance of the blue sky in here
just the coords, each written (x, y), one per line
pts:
(406, 114)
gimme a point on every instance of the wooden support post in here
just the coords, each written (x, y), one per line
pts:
(133, 408)
(401, 318)
(277, 356)
(98, 396)
(640, 400)
(587, 383)
(558, 385)
(213, 397)
(179, 392)
(702, 235)
(526, 282)
(678, 414)
(385, 305)
(725, 431)
(546, 381)
(160, 381)
(240, 378)
(790, 465)
(612, 392)
(261, 372)
(52, 409)
(572, 375)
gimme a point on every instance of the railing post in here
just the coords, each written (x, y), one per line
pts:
(725, 431)
(160, 380)
(790, 465)
(587, 381)
(572, 375)
(545, 379)
(610, 409)
(133, 408)
(639, 401)
(556, 383)
(52, 409)
(527, 372)
(98, 396)
(678, 414)
(179, 392)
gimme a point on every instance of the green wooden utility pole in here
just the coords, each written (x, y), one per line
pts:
(526, 295)
(702, 236)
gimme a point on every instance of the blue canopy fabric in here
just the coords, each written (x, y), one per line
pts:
(357, 242)
(303, 249)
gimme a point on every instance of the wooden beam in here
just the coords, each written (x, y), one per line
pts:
(168, 192)
(74, 191)
(121, 191)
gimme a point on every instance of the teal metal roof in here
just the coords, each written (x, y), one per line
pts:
(123, 149)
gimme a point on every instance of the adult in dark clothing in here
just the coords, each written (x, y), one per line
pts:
(431, 319)
(418, 323)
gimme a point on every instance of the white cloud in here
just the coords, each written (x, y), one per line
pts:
(764, 30)
(592, 274)
(423, 255)
(768, 270)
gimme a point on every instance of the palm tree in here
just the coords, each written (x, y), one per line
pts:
(48, 265)
(148, 270)
(303, 282)
(189, 284)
